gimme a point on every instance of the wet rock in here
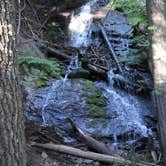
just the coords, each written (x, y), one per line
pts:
(80, 73)
(119, 32)
(76, 99)
(83, 102)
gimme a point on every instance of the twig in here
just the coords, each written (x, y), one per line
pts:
(29, 3)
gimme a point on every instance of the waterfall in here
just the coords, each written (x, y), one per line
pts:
(73, 65)
(128, 109)
(80, 26)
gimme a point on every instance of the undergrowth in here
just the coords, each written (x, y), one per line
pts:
(134, 9)
(38, 69)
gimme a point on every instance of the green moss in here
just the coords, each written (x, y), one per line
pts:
(96, 102)
(89, 86)
(97, 111)
(95, 122)
(103, 122)
(39, 83)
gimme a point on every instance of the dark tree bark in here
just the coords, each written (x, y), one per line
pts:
(157, 17)
(12, 151)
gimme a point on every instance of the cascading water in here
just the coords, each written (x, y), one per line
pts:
(128, 110)
(65, 98)
(80, 26)
(73, 65)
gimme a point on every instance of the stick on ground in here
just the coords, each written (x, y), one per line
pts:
(90, 155)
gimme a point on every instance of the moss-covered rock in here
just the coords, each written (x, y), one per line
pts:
(79, 73)
(96, 110)
(95, 101)
(97, 122)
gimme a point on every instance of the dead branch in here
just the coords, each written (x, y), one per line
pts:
(90, 155)
(91, 142)
(110, 47)
(57, 52)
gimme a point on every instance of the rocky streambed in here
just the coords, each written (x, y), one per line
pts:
(110, 111)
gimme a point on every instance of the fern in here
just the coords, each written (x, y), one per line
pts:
(37, 71)
(49, 67)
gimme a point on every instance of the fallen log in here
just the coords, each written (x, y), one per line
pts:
(110, 47)
(91, 142)
(90, 155)
(56, 52)
(96, 70)
(59, 54)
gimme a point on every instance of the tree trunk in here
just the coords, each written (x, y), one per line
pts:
(157, 13)
(12, 150)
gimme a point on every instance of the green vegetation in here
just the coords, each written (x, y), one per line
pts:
(134, 9)
(96, 110)
(96, 102)
(133, 60)
(39, 69)
(142, 40)
(102, 122)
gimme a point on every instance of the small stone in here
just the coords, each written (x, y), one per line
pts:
(55, 164)
(44, 155)
(88, 161)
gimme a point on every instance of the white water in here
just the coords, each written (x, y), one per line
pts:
(128, 110)
(54, 86)
(73, 65)
(80, 26)
(127, 107)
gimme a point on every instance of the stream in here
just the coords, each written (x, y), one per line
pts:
(129, 117)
